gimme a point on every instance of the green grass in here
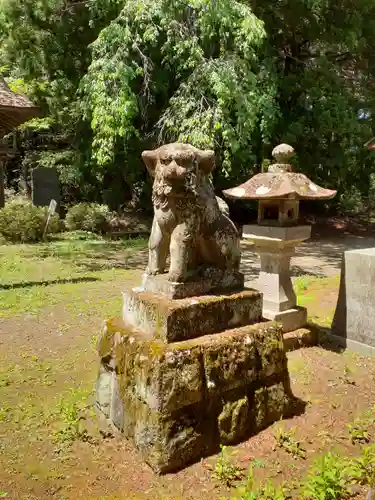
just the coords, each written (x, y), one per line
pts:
(319, 296)
(46, 391)
(45, 395)
(63, 259)
(33, 277)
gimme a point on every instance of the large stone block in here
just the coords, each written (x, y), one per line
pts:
(176, 320)
(353, 324)
(269, 404)
(240, 357)
(179, 401)
(45, 186)
(171, 441)
(290, 319)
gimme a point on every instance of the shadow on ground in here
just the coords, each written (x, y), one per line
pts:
(28, 284)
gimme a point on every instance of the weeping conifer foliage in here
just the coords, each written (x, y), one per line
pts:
(118, 76)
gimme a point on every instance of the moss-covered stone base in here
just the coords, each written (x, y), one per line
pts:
(175, 320)
(179, 401)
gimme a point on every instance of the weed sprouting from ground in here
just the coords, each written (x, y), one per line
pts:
(267, 491)
(358, 431)
(258, 464)
(286, 440)
(333, 476)
(72, 418)
(328, 478)
(365, 466)
(224, 470)
(347, 379)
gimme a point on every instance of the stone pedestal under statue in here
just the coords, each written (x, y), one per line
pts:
(191, 364)
(276, 246)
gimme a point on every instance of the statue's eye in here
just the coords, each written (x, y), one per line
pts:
(186, 162)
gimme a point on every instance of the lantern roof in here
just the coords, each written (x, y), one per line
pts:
(280, 182)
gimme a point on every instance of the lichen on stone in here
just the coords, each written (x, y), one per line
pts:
(180, 400)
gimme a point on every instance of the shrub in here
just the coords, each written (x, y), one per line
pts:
(20, 221)
(88, 217)
(79, 236)
(350, 202)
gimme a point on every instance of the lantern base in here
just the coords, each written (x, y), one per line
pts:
(291, 319)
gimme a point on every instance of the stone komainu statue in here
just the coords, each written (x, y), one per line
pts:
(187, 219)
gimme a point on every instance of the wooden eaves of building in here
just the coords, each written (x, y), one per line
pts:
(15, 109)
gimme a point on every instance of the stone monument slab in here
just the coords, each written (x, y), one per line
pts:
(45, 186)
(354, 319)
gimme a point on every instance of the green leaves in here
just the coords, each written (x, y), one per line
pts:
(329, 479)
(112, 104)
(205, 50)
(119, 76)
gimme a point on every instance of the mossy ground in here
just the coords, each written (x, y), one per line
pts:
(54, 298)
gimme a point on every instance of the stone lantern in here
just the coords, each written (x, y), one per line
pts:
(278, 232)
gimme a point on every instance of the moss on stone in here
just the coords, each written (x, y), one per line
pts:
(270, 347)
(179, 401)
(233, 421)
(177, 320)
(269, 405)
(156, 348)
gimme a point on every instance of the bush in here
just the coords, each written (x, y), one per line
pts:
(88, 217)
(350, 202)
(20, 221)
(79, 236)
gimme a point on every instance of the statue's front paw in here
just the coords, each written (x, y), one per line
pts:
(175, 276)
(153, 271)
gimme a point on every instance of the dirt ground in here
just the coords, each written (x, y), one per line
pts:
(51, 443)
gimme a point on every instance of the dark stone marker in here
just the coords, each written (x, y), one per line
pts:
(45, 186)
(353, 323)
